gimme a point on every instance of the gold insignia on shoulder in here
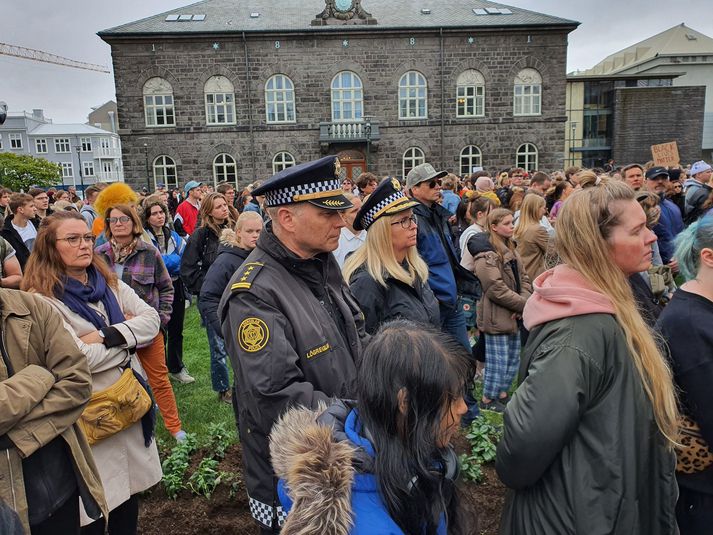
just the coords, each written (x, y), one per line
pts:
(337, 167)
(396, 184)
(333, 202)
(246, 279)
(253, 334)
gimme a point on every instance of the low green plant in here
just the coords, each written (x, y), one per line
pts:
(176, 464)
(483, 435)
(220, 437)
(207, 477)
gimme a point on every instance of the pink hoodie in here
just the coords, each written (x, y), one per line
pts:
(563, 292)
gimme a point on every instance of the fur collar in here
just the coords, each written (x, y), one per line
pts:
(229, 238)
(317, 471)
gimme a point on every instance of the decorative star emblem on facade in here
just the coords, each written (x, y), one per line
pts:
(345, 43)
(216, 46)
(471, 40)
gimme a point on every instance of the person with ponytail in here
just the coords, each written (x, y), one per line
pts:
(685, 324)
(589, 436)
(382, 464)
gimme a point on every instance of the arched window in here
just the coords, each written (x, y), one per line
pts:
(282, 160)
(413, 91)
(412, 157)
(527, 93)
(225, 169)
(347, 97)
(470, 94)
(164, 172)
(470, 157)
(158, 103)
(219, 101)
(527, 157)
(280, 99)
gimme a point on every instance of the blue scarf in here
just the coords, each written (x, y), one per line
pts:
(77, 297)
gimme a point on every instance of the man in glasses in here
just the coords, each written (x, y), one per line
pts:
(19, 230)
(446, 277)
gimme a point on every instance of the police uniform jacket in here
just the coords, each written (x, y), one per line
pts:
(293, 332)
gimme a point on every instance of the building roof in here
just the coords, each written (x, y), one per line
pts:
(68, 130)
(232, 16)
(677, 41)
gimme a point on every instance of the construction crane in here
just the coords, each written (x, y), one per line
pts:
(46, 57)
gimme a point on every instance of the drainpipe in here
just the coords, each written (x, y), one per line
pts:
(250, 111)
(443, 104)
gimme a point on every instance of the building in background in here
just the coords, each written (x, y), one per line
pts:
(105, 117)
(655, 91)
(225, 91)
(74, 146)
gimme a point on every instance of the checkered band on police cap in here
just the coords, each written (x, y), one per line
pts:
(287, 195)
(368, 218)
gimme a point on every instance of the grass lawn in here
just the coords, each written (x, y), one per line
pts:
(198, 405)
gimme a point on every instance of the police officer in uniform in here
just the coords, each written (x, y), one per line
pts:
(291, 327)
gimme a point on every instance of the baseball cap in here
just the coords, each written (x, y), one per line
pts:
(656, 172)
(193, 184)
(699, 167)
(422, 173)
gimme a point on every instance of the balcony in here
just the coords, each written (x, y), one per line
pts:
(106, 152)
(108, 176)
(349, 132)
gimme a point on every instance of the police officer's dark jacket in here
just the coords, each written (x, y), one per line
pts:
(293, 332)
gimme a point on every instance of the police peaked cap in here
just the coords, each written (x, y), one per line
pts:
(317, 182)
(386, 199)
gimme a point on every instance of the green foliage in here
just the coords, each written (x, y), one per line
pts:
(176, 464)
(220, 437)
(21, 171)
(206, 477)
(483, 436)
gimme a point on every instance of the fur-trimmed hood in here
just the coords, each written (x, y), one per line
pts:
(228, 243)
(316, 469)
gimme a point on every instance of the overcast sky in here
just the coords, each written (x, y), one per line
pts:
(68, 28)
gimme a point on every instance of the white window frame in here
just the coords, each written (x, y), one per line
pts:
(62, 145)
(347, 92)
(160, 171)
(15, 141)
(413, 96)
(470, 94)
(159, 109)
(88, 168)
(280, 100)
(527, 94)
(219, 94)
(414, 156)
(472, 156)
(527, 156)
(67, 169)
(222, 164)
(86, 143)
(40, 145)
(281, 161)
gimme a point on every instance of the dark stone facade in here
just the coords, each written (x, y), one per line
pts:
(645, 116)
(380, 57)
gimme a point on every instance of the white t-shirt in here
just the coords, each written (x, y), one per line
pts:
(348, 243)
(28, 233)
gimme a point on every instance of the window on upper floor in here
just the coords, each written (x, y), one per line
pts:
(527, 157)
(88, 168)
(158, 103)
(41, 146)
(280, 99)
(86, 143)
(470, 94)
(347, 97)
(412, 157)
(15, 141)
(413, 96)
(219, 101)
(164, 172)
(225, 169)
(61, 145)
(67, 171)
(470, 157)
(527, 98)
(282, 160)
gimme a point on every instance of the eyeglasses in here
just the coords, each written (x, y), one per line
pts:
(406, 222)
(122, 219)
(433, 183)
(74, 241)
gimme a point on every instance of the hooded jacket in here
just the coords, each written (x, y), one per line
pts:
(696, 195)
(581, 448)
(326, 468)
(13, 238)
(230, 257)
(506, 286)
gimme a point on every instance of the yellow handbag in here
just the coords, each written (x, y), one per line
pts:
(115, 408)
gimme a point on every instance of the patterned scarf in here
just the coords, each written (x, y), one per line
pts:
(122, 252)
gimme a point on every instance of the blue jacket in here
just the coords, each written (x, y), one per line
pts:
(368, 512)
(450, 201)
(175, 245)
(668, 227)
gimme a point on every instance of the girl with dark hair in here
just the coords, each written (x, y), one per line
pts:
(383, 464)
(562, 191)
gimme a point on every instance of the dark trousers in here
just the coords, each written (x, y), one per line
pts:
(694, 512)
(123, 520)
(174, 329)
(63, 520)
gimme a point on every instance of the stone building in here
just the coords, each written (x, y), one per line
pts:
(225, 89)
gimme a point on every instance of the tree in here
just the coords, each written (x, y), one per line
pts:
(20, 172)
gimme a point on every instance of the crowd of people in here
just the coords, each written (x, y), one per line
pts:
(357, 315)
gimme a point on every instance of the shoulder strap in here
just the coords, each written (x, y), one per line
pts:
(250, 271)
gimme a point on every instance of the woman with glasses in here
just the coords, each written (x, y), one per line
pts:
(108, 321)
(140, 265)
(386, 274)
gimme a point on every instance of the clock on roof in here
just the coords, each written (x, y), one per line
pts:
(346, 11)
(343, 5)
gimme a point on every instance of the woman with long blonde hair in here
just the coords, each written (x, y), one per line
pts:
(589, 434)
(533, 242)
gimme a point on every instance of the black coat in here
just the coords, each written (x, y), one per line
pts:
(396, 300)
(201, 251)
(13, 238)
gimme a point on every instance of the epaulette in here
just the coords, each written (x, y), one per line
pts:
(250, 271)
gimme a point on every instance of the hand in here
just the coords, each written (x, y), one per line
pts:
(92, 338)
(128, 316)
(452, 220)
(673, 264)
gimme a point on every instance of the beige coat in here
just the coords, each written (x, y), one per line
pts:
(126, 466)
(43, 399)
(534, 246)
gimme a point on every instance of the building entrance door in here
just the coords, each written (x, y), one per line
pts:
(353, 164)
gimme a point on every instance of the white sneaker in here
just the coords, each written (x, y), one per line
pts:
(182, 377)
